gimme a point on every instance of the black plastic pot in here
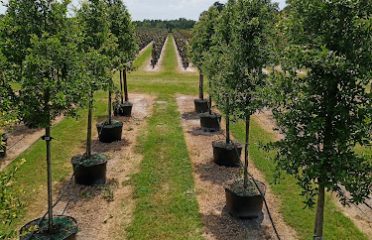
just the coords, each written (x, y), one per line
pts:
(123, 109)
(210, 122)
(90, 171)
(245, 207)
(227, 155)
(201, 105)
(65, 228)
(108, 133)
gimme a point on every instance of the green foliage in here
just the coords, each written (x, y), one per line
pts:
(325, 114)
(202, 33)
(122, 28)
(10, 204)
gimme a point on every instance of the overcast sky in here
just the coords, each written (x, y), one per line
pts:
(166, 9)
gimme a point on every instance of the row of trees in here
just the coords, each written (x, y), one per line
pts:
(324, 114)
(182, 43)
(60, 62)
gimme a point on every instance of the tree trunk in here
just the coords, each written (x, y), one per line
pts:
(125, 85)
(246, 150)
(109, 108)
(89, 128)
(201, 84)
(121, 86)
(49, 177)
(210, 97)
(319, 219)
(228, 140)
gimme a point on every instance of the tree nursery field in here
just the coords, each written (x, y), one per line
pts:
(256, 123)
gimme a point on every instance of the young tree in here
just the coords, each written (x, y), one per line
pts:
(325, 114)
(98, 45)
(51, 76)
(122, 28)
(201, 41)
(248, 53)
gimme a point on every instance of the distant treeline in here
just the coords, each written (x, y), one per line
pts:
(181, 23)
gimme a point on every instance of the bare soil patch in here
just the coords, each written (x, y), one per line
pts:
(210, 180)
(20, 139)
(103, 212)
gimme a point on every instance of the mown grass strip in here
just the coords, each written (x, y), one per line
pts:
(143, 59)
(337, 226)
(166, 206)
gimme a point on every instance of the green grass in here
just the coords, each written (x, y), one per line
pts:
(337, 226)
(143, 58)
(166, 206)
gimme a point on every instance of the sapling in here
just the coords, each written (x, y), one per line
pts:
(122, 28)
(52, 76)
(248, 37)
(326, 114)
(98, 45)
(201, 42)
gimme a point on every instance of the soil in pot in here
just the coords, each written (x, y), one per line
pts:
(123, 109)
(210, 122)
(245, 203)
(90, 171)
(64, 228)
(227, 154)
(201, 105)
(108, 133)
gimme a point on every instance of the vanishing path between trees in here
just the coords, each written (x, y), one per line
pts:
(157, 191)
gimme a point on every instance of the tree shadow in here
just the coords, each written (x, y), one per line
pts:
(190, 116)
(226, 227)
(99, 147)
(198, 131)
(211, 172)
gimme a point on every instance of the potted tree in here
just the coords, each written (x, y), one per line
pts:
(225, 152)
(200, 44)
(332, 111)
(51, 84)
(90, 168)
(247, 53)
(122, 28)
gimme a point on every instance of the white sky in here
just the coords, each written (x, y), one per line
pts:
(165, 9)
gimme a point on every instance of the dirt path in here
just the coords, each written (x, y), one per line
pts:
(103, 212)
(210, 179)
(180, 68)
(19, 140)
(158, 66)
(361, 214)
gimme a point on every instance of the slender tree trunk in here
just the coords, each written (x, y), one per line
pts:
(49, 172)
(228, 140)
(210, 97)
(121, 87)
(47, 138)
(201, 84)
(319, 219)
(246, 150)
(89, 128)
(109, 108)
(125, 85)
